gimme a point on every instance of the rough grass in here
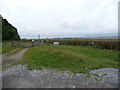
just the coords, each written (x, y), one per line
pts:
(73, 58)
(18, 50)
(110, 44)
(0, 47)
(7, 47)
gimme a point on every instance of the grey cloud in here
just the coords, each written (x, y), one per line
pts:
(58, 18)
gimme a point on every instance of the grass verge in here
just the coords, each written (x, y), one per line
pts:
(6, 47)
(18, 50)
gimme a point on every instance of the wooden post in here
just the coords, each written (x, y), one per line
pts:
(12, 43)
(38, 40)
(47, 41)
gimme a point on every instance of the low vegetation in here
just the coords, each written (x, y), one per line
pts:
(16, 51)
(7, 47)
(110, 44)
(73, 58)
(0, 47)
(103, 43)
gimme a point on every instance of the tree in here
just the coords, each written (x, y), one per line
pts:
(9, 32)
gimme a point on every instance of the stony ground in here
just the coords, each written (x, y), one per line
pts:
(19, 77)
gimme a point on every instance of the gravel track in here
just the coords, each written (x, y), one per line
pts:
(19, 77)
(4, 55)
(6, 60)
(12, 59)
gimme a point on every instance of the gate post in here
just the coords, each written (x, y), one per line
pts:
(32, 43)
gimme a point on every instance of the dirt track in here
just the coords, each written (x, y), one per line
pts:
(12, 59)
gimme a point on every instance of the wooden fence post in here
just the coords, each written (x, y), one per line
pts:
(12, 43)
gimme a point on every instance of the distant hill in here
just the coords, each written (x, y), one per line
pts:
(106, 37)
(9, 32)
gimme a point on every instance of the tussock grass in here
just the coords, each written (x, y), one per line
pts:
(73, 58)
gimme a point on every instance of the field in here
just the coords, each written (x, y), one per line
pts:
(76, 55)
(110, 44)
(73, 58)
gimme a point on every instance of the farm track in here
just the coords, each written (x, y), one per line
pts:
(12, 59)
(3, 55)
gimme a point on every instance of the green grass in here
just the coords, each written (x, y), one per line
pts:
(0, 47)
(18, 50)
(73, 58)
(7, 47)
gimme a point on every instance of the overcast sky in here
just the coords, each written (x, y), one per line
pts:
(62, 18)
